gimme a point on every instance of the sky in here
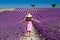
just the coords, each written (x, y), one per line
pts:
(27, 3)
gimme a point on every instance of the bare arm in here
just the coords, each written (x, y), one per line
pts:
(22, 20)
(35, 20)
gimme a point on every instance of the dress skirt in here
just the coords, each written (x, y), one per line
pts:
(29, 26)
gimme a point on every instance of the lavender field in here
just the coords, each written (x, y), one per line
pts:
(12, 29)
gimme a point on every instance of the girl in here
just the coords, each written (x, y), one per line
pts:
(29, 19)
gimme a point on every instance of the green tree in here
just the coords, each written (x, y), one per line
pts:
(53, 5)
(32, 5)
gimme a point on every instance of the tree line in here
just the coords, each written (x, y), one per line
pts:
(53, 5)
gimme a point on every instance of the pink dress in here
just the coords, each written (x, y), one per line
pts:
(29, 26)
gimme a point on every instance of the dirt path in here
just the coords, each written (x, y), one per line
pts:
(33, 36)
